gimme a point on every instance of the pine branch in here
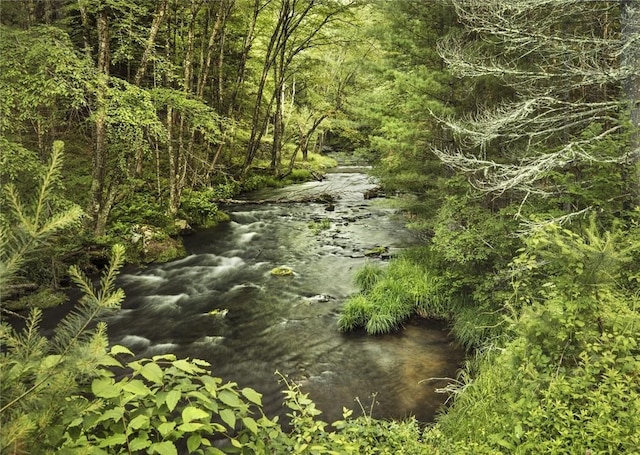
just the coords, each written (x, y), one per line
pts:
(74, 328)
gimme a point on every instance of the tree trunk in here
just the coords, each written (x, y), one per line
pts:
(173, 196)
(178, 155)
(222, 14)
(278, 128)
(153, 32)
(630, 22)
(257, 127)
(155, 27)
(98, 205)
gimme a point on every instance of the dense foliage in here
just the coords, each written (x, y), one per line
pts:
(507, 130)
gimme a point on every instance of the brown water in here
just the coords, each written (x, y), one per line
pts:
(289, 324)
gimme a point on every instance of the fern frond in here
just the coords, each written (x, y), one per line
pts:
(19, 211)
(31, 343)
(51, 176)
(73, 327)
(14, 432)
(83, 282)
(107, 283)
(60, 221)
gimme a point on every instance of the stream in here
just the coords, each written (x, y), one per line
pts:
(266, 323)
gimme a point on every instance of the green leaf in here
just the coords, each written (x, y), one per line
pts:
(201, 363)
(139, 443)
(172, 399)
(190, 427)
(136, 387)
(140, 421)
(108, 361)
(117, 349)
(165, 428)
(193, 442)
(185, 366)
(113, 440)
(252, 396)
(152, 372)
(104, 388)
(228, 417)
(114, 414)
(168, 357)
(163, 448)
(250, 424)
(192, 413)
(230, 398)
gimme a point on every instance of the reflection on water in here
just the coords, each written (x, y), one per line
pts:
(266, 323)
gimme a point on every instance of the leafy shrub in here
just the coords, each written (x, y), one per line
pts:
(569, 379)
(167, 403)
(41, 380)
(139, 207)
(198, 206)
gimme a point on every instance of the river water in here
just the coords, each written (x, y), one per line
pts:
(289, 324)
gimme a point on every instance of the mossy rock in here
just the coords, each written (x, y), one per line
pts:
(42, 298)
(282, 271)
(163, 250)
(377, 251)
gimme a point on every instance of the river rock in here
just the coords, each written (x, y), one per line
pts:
(320, 298)
(183, 227)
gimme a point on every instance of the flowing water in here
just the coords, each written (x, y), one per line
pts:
(289, 324)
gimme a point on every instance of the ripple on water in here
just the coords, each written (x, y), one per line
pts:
(146, 280)
(135, 342)
(162, 348)
(208, 341)
(163, 304)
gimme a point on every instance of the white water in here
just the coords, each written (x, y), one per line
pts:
(288, 324)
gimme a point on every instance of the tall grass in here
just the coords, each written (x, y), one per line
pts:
(389, 296)
(368, 276)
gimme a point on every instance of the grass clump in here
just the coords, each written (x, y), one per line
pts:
(318, 226)
(389, 296)
(368, 276)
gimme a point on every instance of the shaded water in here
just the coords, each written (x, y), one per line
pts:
(288, 324)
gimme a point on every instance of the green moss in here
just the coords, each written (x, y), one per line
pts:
(43, 298)
(377, 251)
(282, 271)
(318, 226)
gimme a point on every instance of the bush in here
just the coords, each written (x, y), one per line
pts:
(198, 206)
(569, 379)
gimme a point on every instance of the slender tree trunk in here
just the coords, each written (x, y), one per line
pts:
(278, 127)
(224, 9)
(232, 106)
(99, 201)
(257, 127)
(242, 65)
(142, 68)
(84, 17)
(630, 20)
(173, 196)
(179, 155)
(153, 32)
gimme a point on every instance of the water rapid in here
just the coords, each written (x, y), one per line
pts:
(222, 304)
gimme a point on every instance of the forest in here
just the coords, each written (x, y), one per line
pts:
(508, 134)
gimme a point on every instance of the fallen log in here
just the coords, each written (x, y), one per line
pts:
(323, 198)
